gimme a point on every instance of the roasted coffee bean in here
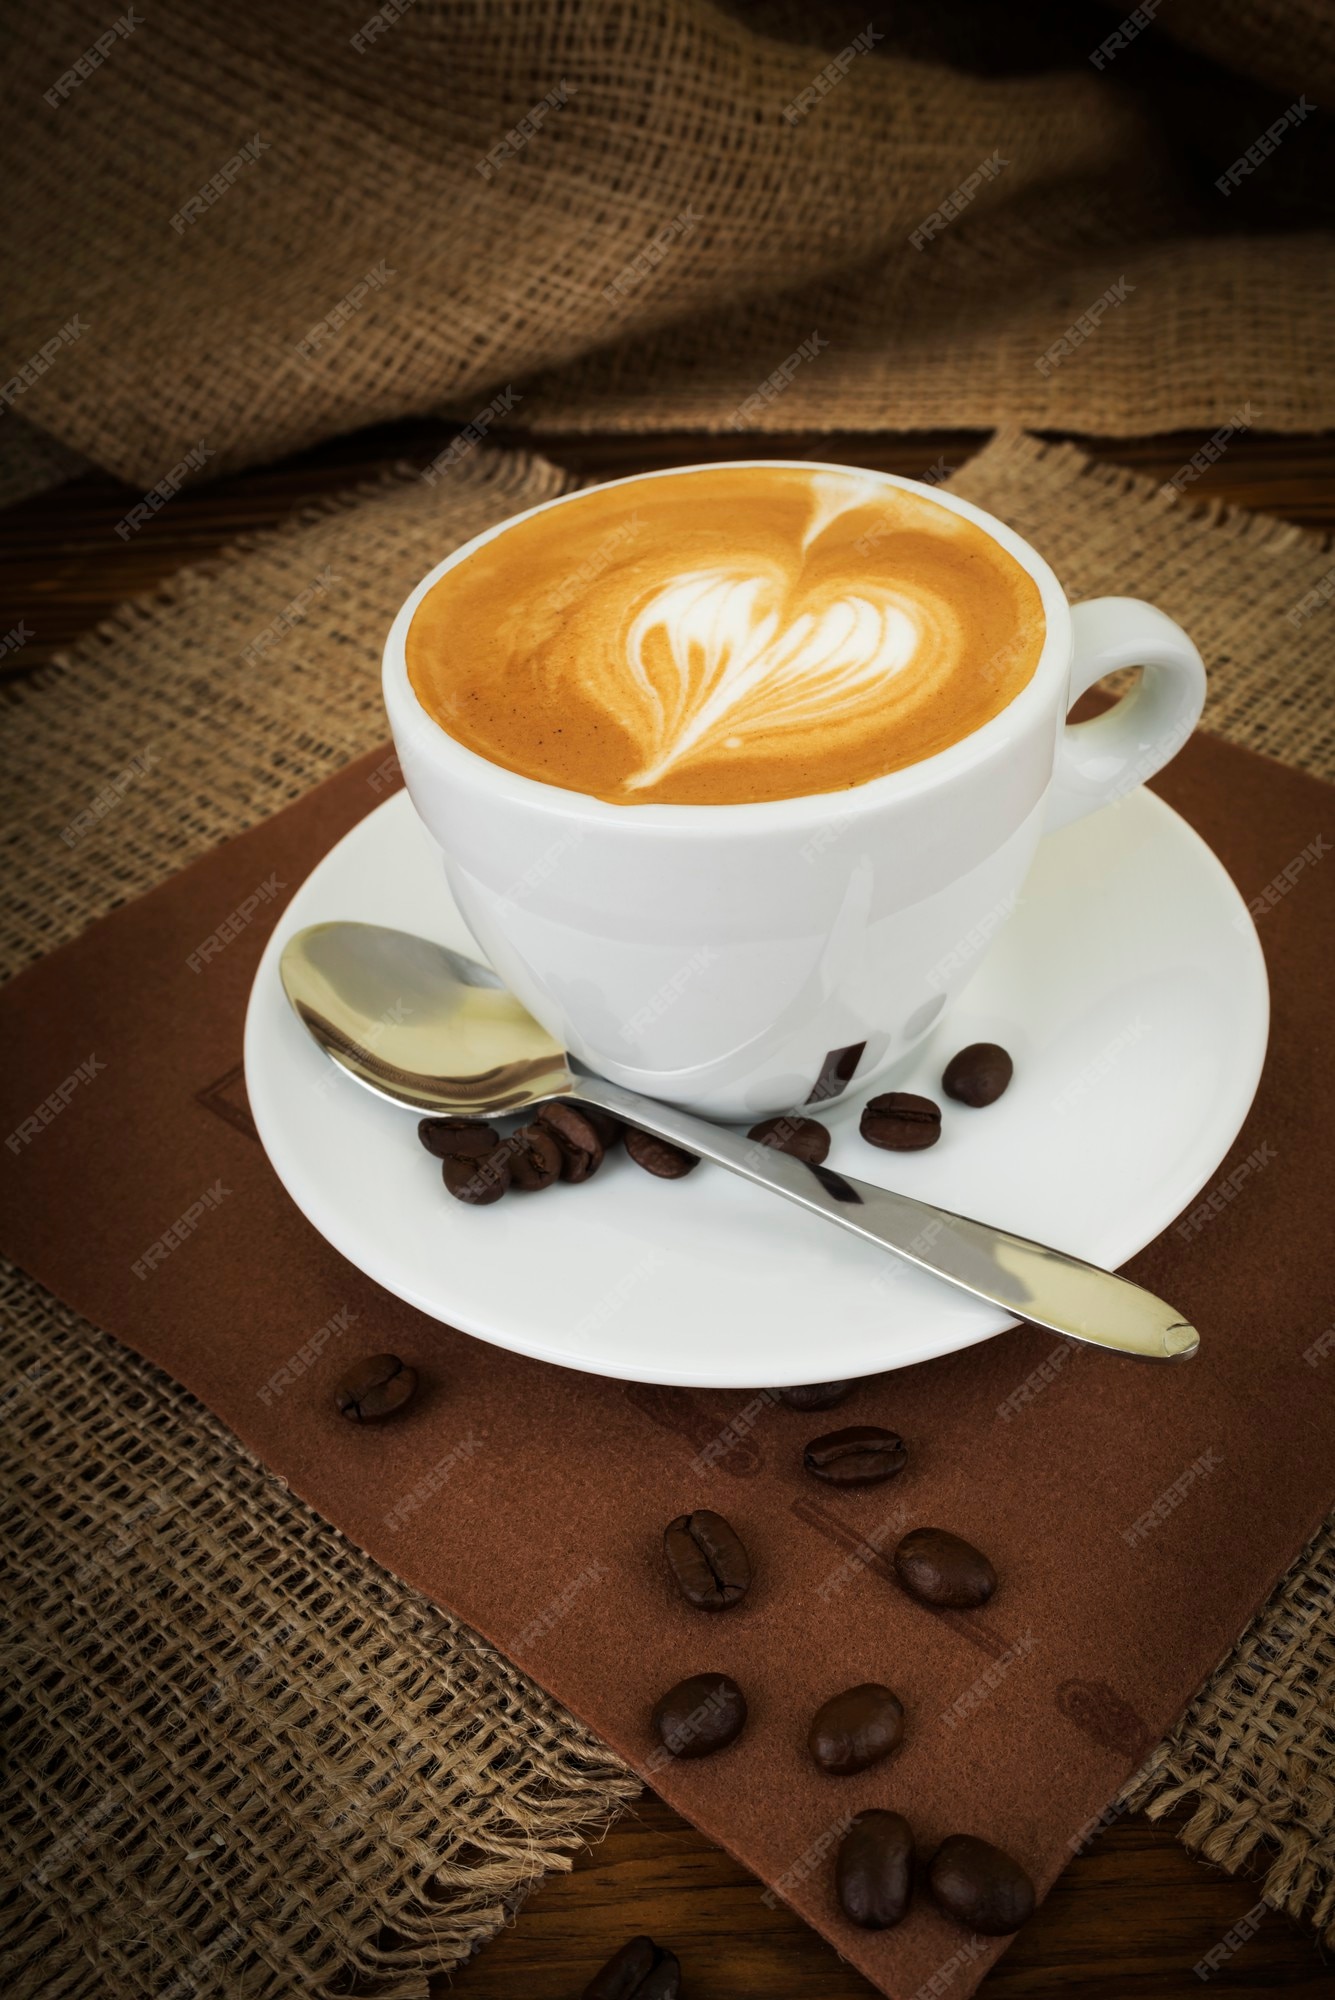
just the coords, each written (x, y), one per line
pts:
(978, 1074)
(479, 1182)
(706, 1556)
(863, 1455)
(456, 1138)
(608, 1128)
(900, 1122)
(939, 1568)
(641, 1970)
(375, 1388)
(817, 1395)
(656, 1156)
(805, 1138)
(873, 1873)
(980, 1885)
(856, 1728)
(535, 1157)
(700, 1715)
(581, 1148)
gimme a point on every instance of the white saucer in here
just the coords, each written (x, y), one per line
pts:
(1129, 987)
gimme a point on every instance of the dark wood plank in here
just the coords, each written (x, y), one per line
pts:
(63, 567)
(1129, 1919)
(1293, 477)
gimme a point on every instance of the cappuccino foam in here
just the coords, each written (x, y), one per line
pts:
(724, 636)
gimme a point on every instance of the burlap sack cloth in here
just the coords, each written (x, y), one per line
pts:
(240, 230)
(387, 1796)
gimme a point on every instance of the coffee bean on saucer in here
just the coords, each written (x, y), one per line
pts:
(862, 1455)
(456, 1138)
(581, 1148)
(479, 1182)
(980, 1885)
(873, 1872)
(901, 1122)
(706, 1556)
(375, 1388)
(941, 1569)
(817, 1395)
(700, 1715)
(641, 1970)
(656, 1156)
(978, 1075)
(805, 1138)
(535, 1157)
(855, 1729)
(608, 1128)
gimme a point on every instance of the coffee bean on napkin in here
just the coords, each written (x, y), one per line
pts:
(700, 1715)
(535, 1158)
(862, 1455)
(641, 1970)
(456, 1138)
(901, 1122)
(375, 1388)
(478, 1182)
(656, 1156)
(855, 1729)
(978, 1075)
(805, 1138)
(873, 1872)
(944, 1570)
(706, 1556)
(980, 1885)
(581, 1148)
(817, 1395)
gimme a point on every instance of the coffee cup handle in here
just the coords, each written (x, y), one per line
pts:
(1101, 760)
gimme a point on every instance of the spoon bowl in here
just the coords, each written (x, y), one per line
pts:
(429, 1029)
(419, 1024)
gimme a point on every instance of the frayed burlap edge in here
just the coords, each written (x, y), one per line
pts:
(1253, 1758)
(1256, 594)
(250, 678)
(243, 1758)
(1252, 1762)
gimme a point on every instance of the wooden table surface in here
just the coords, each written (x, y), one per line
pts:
(1131, 1917)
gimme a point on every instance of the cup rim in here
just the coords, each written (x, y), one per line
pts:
(912, 781)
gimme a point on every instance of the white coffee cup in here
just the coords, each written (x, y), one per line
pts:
(736, 958)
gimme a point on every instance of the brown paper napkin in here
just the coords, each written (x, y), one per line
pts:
(530, 1501)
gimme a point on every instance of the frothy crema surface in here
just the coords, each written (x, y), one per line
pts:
(724, 636)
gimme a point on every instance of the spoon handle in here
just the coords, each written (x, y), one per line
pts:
(1028, 1279)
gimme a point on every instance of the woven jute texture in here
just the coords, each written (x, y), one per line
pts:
(243, 1758)
(241, 231)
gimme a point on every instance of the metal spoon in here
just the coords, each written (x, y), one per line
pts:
(428, 1028)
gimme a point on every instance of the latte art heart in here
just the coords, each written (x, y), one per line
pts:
(726, 634)
(717, 657)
